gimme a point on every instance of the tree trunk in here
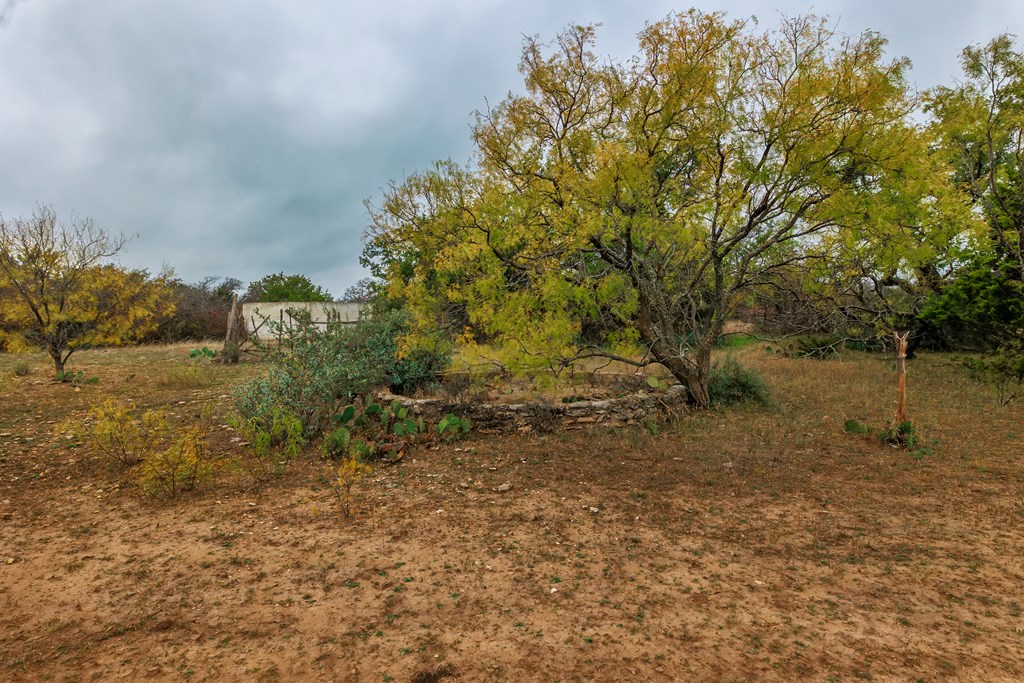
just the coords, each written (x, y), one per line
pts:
(58, 362)
(692, 373)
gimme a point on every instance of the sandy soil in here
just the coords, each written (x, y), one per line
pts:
(752, 544)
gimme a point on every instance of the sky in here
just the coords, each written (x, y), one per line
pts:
(239, 138)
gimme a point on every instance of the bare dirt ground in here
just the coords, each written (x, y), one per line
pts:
(743, 544)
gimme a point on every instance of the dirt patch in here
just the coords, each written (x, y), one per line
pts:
(750, 544)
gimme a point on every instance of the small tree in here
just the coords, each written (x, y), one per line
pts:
(281, 287)
(59, 292)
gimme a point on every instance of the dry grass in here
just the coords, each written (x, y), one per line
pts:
(741, 544)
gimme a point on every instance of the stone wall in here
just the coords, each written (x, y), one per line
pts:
(500, 418)
(257, 315)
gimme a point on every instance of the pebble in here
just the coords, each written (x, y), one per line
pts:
(504, 488)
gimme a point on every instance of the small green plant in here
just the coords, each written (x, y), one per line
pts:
(856, 427)
(278, 434)
(452, 427)
(21, 368)
(378, 424)
(337, 442)
(903, 435)
(76, 377)
(656, 383)
(205, 352)
(731, 383)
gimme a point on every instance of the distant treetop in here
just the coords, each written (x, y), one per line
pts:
(281, 287)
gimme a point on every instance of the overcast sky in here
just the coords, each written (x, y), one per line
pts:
(240, 138)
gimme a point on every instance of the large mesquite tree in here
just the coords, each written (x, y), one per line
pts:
(624, 208)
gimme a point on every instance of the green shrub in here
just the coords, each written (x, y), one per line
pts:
(277, 433)
(377, 426)
(731, 383)
(21, 368)
(317, 370)
(451, 427)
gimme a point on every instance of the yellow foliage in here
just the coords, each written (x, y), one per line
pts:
(58, 293)
(180, 467)
(117, 432)
(351, 470)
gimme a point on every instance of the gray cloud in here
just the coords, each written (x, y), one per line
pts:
(241, 138)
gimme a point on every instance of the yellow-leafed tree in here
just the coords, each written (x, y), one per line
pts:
(60, 292)
(626, 209)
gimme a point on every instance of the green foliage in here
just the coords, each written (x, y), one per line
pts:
(75, 377)
(21, 368)
(903, 435)
(983, 309)
(281, 287)
(452, 427)
(1004, 370)
(376, 424)
(337, 442)
(277, 435)
(205, 352)
(318, 370)
(856, 427)
(617, 208)
(731, 383)
(734, 341)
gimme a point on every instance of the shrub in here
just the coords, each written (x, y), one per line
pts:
(181, 466)
(377, 426)
(451, 427)
(21, 368)
(1003, 369)
(351, 469)
(277, 433)
(118, 433)
(317, 370)
(731, 383)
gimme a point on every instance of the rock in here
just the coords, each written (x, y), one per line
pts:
(504, 488)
